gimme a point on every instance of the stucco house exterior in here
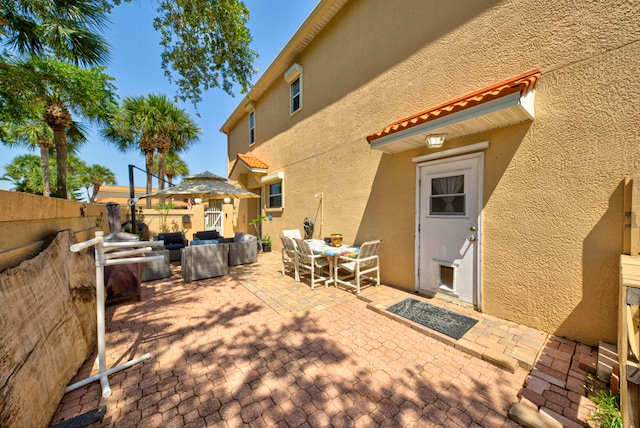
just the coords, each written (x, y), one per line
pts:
(520, 211)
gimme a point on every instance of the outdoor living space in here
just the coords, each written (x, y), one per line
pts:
(256, 347)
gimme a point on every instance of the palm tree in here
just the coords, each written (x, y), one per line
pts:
(99, 175)
(151, 123)
(174, 166)
(36, 133)
(89, 92)
(32, 134)
(175, 131)
(25, 174)
(70, 30)
(75, 167)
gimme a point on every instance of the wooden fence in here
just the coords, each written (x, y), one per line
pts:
(629, 308)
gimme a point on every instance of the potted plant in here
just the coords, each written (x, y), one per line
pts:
(266, 243)
(257, 221)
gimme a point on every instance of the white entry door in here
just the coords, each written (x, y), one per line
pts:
(449, 221)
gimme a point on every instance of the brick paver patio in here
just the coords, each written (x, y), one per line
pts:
(256, 348)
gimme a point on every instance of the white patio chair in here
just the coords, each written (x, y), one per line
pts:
(309, 262)
(289, 255)
(292, 233)
(365, 265)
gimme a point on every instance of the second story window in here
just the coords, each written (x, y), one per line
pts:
(293, 76)
(252, 127)
(295, 95)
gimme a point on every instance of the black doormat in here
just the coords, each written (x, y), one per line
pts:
(441, 320)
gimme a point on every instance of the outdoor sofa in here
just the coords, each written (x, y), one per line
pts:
(243, 248)
(204, 261)
(206, 235)
(174, 242)
(156, 269)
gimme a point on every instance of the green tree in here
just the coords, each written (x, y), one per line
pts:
(174, 166)
(151, 123)
(94, 176)
(68, 30)
(64, 29)
(25, 174)
(89, 92)
(35, 133)
(75, 166)
(206, 42)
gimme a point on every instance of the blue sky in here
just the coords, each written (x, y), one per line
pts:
(135, 64)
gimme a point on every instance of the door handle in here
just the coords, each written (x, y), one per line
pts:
(472, 238)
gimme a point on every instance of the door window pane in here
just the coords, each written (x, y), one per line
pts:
(447, 196)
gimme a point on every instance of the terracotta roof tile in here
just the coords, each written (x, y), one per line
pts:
(245, 161)
(252, 162)
(523, 83)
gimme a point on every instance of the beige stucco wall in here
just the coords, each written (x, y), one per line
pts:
(174, 220)
(552, 209)
(26, 220)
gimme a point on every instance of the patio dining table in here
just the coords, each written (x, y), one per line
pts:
(320, 247)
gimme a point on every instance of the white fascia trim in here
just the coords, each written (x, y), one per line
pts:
(452, 152)
(276, 176)
(527, 103)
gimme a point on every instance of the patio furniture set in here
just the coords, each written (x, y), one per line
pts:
(340, 264)
(207, 256)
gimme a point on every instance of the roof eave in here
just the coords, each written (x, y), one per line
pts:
(504, 104)
(315, 22)
(506, 111)
(242, 168)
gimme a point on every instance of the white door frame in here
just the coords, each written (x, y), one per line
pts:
(425, 162)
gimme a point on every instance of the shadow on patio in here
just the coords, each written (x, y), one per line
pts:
(225, 351)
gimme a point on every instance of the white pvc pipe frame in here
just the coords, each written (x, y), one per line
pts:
(102, 260)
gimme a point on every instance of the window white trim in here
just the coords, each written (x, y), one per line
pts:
(267, 181)
(272, 177)
(293, 76)
(295, 96)
(252, 127)
(452, 152)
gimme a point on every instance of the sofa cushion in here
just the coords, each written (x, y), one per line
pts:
(171, 238)
(204, 242)
(173, 246)
(206, 235)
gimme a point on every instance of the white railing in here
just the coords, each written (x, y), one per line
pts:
(106, 257)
